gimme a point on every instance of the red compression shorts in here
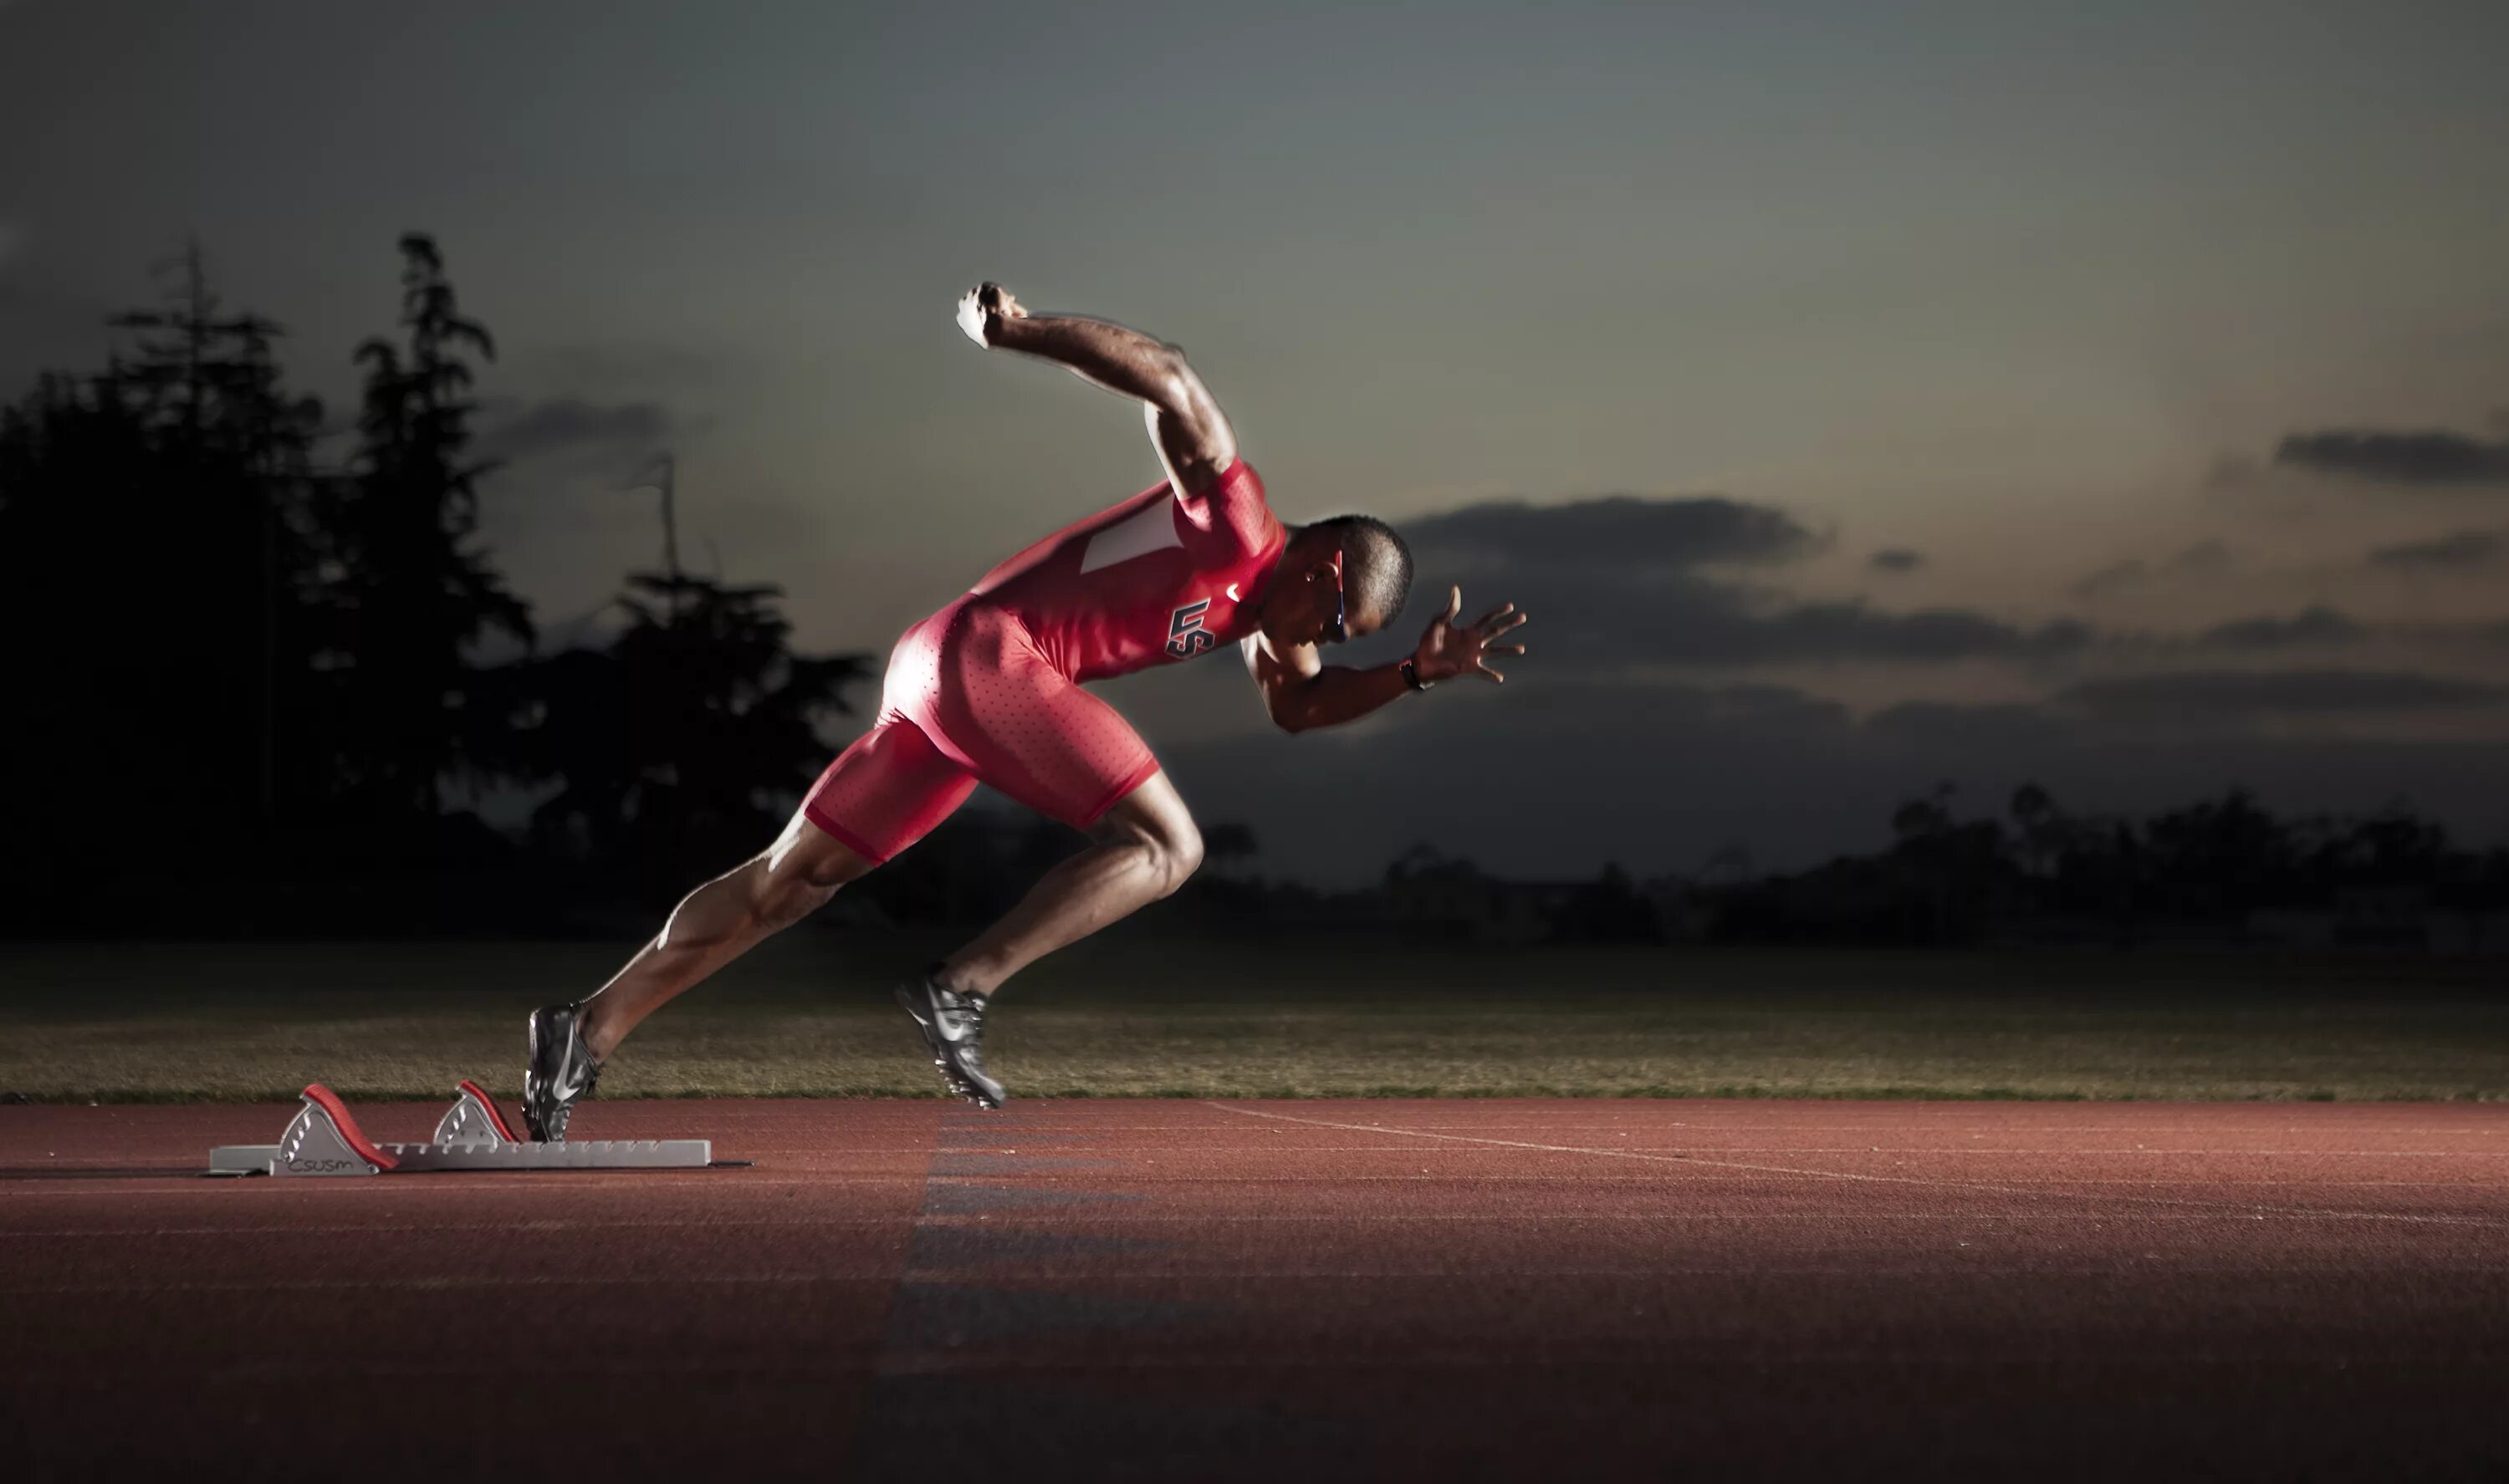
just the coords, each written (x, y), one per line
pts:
(968, 699)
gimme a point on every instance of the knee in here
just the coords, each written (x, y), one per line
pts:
(786, 888)
(786, 897)
(1162, 835)
(1176, 854)
(737, 907)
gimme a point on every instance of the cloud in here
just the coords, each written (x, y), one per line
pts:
(569, 426)
(2234, 472)
(2457, 551)
(1852, 631)
(2205, 558)
(1896, 559)
(1616, 582)
(1628, 532)
(2432, 456)
(2114, 578)
(2312, 626)
(2253, 694)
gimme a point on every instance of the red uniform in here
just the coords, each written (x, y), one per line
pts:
(987, 690)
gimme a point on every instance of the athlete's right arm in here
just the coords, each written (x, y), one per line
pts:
(1193, 437)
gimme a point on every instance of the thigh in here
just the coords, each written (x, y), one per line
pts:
(883, 794)
(1037, 737)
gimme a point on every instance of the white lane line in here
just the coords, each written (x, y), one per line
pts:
(1962, 1149)
(1872, 1179)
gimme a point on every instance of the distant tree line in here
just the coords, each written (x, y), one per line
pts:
(2041, 870)
(250, 684)
(2223, 870)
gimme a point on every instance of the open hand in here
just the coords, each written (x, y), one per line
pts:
(1450, 649)
(984, 307)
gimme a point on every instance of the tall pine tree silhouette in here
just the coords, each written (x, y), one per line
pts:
(413, 592)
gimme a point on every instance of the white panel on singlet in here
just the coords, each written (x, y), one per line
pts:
(1151, 528)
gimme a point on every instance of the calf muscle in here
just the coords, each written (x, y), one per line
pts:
(717, 923)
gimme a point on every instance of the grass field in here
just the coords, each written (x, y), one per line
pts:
(1134, 1015)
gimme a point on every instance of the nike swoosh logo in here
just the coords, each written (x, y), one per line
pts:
(1232, 594)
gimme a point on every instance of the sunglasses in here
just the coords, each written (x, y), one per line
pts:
(1340, 629)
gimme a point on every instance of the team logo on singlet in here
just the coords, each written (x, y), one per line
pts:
(1186, 636)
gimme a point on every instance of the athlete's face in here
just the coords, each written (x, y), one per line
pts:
(1317, 608)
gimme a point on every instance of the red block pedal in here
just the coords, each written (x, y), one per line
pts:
(496, 1115)
(350, 1134)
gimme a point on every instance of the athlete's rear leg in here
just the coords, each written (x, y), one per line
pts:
(881, 793)
(720, 922)
(712, 926)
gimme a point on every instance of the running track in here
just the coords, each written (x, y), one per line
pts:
(1305, 1290)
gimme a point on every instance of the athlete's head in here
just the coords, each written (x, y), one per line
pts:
(1338, 578)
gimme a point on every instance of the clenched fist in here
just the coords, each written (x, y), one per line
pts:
(985, 305)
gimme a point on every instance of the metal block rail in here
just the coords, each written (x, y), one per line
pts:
(324, 1140)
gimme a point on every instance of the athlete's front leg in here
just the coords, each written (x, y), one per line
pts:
(1143, 850)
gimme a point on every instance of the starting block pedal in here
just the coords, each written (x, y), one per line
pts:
(473, 1119)
(323, 1140)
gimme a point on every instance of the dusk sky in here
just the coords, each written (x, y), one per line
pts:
(1859, 396)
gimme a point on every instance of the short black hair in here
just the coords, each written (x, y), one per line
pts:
(1375, 561)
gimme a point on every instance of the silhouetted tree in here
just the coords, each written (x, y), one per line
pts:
(2045, 831)
(153, 532)
(1227, 842)
(688, 739)
(2216, 857)
(1607, 909)
(412, 593)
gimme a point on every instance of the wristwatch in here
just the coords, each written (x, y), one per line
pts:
(1412, 676)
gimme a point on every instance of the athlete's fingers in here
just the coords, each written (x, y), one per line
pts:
(1507, 625)
(1493, 616)
(1503, 649)
(1455, 603)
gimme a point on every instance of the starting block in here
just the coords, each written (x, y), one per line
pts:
(323, 1140)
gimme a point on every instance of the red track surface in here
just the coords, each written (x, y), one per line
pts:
(1324, 1291)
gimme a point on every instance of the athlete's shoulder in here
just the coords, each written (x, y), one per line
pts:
(1238, 481)
(1236, 504)
(1234, 490)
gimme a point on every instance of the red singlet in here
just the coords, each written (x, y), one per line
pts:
(987, 690)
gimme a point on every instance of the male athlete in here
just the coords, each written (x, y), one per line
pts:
(989, 690)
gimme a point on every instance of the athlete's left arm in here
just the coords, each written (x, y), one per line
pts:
(1303, 692)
